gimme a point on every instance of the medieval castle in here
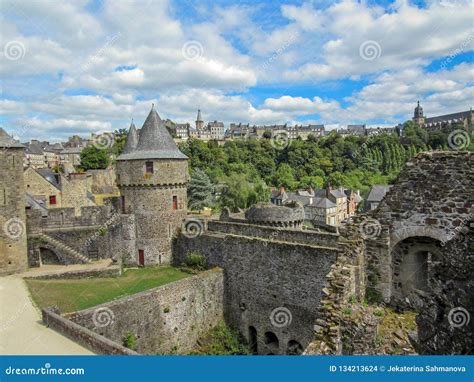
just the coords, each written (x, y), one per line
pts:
(284, 287)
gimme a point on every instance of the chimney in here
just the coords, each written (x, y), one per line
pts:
(311, 191)
(328, 190)
(282, 190)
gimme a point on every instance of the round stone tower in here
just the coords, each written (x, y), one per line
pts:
(152, 175)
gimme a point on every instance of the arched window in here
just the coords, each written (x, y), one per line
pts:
(271, 342)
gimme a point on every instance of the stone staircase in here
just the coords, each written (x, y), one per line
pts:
(70, 254)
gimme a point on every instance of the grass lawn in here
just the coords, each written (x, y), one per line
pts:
(76, 294)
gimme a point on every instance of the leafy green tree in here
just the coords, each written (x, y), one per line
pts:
(284, 177)
(93, 158)
(200, 190)
(119, 142)
(311, 182)
(336, 179)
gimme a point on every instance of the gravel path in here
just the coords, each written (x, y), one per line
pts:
(21, 329)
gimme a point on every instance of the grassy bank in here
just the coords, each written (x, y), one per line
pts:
(75, 294)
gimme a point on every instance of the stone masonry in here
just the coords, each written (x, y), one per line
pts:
(152, 175)
(12, 207)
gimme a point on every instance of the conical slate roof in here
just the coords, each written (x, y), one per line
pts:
(199, 118)
(132, 139)
(7, 141)
(155, 142)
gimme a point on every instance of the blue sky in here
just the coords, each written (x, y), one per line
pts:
(82, 67)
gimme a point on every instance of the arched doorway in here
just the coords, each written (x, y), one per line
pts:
(48, 256)
(294, 348)
(272, 343)
(412, 261)
(253, 340)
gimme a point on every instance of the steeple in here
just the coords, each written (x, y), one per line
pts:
(154, 142)
(418, 110)
(199, 121)
(132, 139)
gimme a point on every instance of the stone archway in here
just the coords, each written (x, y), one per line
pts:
(271, 342)
(48, 256)
(253, 342)
(412, 261)
(294, 348)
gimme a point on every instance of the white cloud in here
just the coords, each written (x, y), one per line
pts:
(129, 54)
(406, 37)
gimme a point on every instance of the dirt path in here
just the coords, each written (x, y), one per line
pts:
(21, 330)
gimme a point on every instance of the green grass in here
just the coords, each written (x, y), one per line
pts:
(76, 294)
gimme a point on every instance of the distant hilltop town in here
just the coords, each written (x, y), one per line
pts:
(42, 154)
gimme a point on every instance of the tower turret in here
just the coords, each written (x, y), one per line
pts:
(199, 121)
(418, 116)
(152, 177)
(132, 139)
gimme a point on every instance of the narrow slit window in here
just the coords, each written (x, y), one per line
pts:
(149, 167)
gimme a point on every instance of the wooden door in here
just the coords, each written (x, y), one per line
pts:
(141, 257)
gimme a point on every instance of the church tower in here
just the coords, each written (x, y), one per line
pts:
(13, 249)
(152, 174)
(199, 121)
(418, 116)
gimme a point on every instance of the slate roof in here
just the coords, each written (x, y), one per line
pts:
(311, 201)
(50, 176)
(377, 193)
(31, 202)
(447, 117)
(199, 118)
(323, 203)
(132, 139)
(154, 142)
(34, 148)
(71, 150)
(321, 193)
(8, 141)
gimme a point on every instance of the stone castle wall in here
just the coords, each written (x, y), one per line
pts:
(67, 218)
(163, 320)
(13, 250)
(272, 288)
(431, 197)
(446, 320)
(86, 337)
(273, 233)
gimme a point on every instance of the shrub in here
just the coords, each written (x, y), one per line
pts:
(196, 261)
(129, 341)
(222, 340)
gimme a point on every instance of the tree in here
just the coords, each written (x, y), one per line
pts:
(284, 177)
(236, 192)
(119, 142)
(336, 179)
(93, 158)
(311, 182)
(200, 190)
